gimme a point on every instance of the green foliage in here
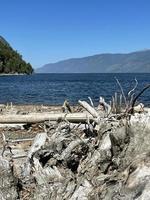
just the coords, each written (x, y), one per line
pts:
(11, 61)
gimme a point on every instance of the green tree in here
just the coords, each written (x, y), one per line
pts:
(11, 61)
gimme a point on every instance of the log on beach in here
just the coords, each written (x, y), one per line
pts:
(42, 117)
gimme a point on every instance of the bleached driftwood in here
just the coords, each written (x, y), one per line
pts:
(45, 175)
(82, 192)
(19, 156)
(8, 189)
(89, 108)
(106, 106)
(66, 107)
(39, 141)
(139, 108)
(36, 118)
(16, 126)
(5, 145)
(91, 102)
(20, 140)
(66, 153)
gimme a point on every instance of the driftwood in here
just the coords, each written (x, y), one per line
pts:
(38, 142)
(36, 118)
(70, 163)
(106, 106)
(66, 153)
(89, 108)
(91, 102)
(8, 182)
(66, 107)
(137, 96)
(20, 140)
(79, 155)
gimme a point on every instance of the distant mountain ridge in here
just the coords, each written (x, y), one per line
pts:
(135, 62)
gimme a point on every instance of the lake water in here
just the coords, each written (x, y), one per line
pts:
(53, 89)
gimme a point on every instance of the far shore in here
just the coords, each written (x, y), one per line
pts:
(15, 74)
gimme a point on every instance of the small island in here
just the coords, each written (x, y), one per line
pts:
(11, 61)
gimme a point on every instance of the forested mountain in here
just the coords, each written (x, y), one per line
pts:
(135, 62)
(11, 61)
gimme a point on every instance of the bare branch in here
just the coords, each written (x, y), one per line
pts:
(131, 91)
(135, 99)
(89, 108)
(121, 91)
(91, 102)
(106, 106)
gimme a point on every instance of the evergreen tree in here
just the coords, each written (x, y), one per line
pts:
(11, 61)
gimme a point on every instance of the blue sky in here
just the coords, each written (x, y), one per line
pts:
(45, 31)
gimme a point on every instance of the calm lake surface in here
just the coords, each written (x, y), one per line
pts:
(53, 89)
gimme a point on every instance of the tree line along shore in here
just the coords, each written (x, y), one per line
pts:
(11, 62)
